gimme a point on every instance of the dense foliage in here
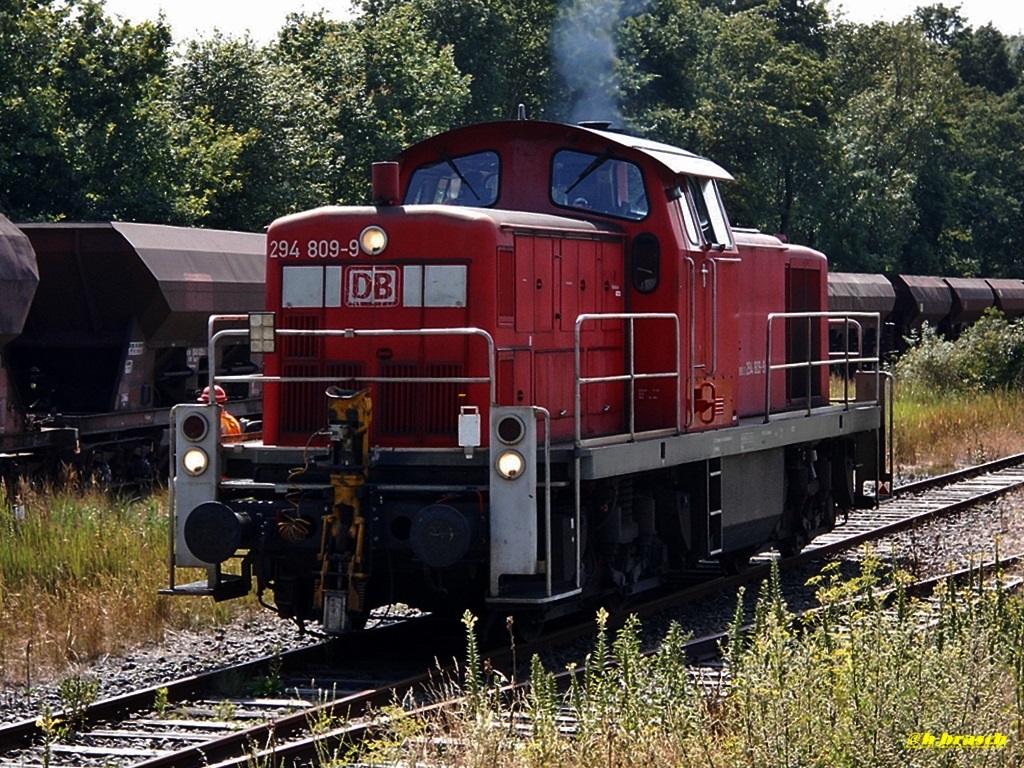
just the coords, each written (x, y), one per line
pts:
(988, 356)
(888, 146)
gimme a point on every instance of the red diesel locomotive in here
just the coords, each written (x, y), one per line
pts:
(541, 369)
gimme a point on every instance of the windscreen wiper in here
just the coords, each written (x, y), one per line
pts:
(596, 163)
(451, 164)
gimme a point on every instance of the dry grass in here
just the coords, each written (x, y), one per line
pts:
(858, 686)
(938, 433)
(79, 576)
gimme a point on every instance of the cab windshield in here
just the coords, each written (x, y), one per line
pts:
(470, 180)
(598, 183)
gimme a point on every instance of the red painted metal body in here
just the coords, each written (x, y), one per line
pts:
(523, 268)
(582, 382)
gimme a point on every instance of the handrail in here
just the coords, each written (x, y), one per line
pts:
(847, 323)
(692, 354)
(212, 339)
(349, 333)
(546, 415)
(631, 376)
(810, 364)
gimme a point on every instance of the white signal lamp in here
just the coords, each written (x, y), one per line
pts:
(262, 333)
(373, 240)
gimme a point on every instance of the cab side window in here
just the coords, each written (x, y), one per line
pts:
(599, 184)
(709, 210)
(470, 180)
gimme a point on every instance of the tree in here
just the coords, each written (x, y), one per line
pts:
(82, 134)
(804, 22)
(251, 135)
(663, 49)
(984, 61)
(381, 81)
(894, 133)
(942, 24)
(988, 238)
(763, 113)
(984, 56)
(502, 45)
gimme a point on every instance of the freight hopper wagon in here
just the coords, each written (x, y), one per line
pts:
(109, 333)
(19, 277)
(542, 369)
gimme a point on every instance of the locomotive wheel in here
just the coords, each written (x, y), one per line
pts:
(737, 562)
(793, 545)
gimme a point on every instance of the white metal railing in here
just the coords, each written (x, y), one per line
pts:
(350, 333)
(631, 377)
(812, 363)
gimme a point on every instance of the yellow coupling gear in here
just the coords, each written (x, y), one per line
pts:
(343, 541)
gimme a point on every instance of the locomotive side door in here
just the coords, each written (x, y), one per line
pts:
(803, 337)
(713, 307)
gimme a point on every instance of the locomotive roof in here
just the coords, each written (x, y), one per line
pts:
(675, 160)
(679, 161)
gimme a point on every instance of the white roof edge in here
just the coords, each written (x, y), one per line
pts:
(675, 159)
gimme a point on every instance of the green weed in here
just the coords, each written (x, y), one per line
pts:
(79, 579)
(866, 683)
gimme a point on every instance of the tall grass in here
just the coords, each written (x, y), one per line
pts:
(937, 432)
(857, 686)
(79, 575)
(961, 402)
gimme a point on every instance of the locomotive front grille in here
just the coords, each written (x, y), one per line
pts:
(304, 404)
(411, 408)
(305, 347)
(401, 408)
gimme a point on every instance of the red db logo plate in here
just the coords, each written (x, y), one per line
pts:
(371, 286)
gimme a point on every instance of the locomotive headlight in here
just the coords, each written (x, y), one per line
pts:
(373, 240)
(195, 461)
(510, 465)
(511, 430)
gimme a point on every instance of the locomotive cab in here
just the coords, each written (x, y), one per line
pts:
(541, 370)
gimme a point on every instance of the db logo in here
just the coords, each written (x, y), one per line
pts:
(371, 286)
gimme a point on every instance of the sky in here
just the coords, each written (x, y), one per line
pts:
(190, 19)
(262, 19)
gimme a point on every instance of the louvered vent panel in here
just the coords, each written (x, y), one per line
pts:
(426, 409)
(399, 401)
(442, 402)
(305, 347)
(302, 403)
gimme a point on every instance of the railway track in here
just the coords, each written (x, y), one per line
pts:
(191, 722)
(202, 719)
(923, 500)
